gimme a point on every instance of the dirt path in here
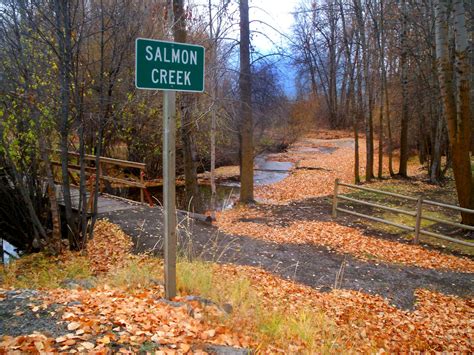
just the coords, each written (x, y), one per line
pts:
(300, 198)
(312, 265)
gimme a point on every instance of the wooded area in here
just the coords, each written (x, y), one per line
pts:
(400, 72)
(67, 83)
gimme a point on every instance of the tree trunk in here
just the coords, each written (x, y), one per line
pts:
(380, 152)
(435, 166)
(404, 78)
(53, 201)
(368, 115)
(379, 29)
(456, 98)
(214, 87)
(101, 119)
(193, 200)
(245, 86)
(64, 33)
(351, 94)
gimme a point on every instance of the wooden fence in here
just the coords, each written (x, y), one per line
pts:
(417, 213)
(3, 252)
(103, 161)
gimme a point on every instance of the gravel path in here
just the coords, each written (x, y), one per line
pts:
(18, 315)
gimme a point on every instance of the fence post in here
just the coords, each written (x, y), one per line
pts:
(142, 182)
(419, 209)
(101, 187)
(334, 200)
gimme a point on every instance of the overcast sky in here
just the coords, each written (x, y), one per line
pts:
(277, 14)
(274, 19)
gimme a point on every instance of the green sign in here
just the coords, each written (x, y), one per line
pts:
(162, 65)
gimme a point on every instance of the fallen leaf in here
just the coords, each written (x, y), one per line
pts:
(73, 326)
(88, 345)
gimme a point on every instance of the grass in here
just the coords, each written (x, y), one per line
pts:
(137, 273)
(40, 271)
(196, 278)
(308, 329)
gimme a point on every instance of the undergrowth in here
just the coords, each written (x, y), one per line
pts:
(140, 272)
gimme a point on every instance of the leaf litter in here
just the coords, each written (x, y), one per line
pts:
(103, 320)
(107, 320)
(368, 323)
(303, 183)
(125, 321)
(337, 237)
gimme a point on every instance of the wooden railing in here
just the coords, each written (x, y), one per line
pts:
(3, 252)
(90, 171)
(417, 213)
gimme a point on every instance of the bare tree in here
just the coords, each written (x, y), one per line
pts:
(368, 92)
(404, 79)
(187, 125)
(245, 86)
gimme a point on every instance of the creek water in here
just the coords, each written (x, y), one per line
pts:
(266, 172)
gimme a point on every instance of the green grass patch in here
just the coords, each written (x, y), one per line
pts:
(40, 271)
(309, 328)
(195, 278)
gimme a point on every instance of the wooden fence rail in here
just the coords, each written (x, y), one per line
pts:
(91, 171)
(417, 213)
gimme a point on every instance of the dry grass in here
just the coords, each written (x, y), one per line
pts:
(272, 328)
(137, 273)
(40, 271)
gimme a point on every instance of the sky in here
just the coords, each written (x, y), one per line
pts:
(274, 18)
(277, 14)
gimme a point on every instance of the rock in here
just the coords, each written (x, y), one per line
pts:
(74, 303)
(177, 304)
(325, 289)
(201, 300)
(227, 308)
(22, 294)
(226, 350)
(81, 283)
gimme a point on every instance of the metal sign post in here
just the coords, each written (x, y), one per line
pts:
(171, 67)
